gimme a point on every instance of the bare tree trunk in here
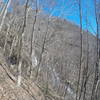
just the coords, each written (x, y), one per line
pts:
(5, 44)
(5, 12)
(80, 63)
(93, 95)
(31, 47)
(2, 8)
(32, 37)
(20, 44)
(9, 27)
(43, 47)
(86, 71)
(12, 46)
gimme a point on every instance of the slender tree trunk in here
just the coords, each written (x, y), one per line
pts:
(93, 95)
(5, 43)
(80, 63)
(43, 47)
(86, 71)
(32, 37)
(2, 9)
(7, 34)
(35, 18)
(20, 45)
(5, 13)
(87, 61)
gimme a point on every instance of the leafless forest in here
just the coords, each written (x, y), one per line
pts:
(46, 57)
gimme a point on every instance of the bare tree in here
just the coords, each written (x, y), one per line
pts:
(96, 77)
(80, 62)
(4, 13)
(20, 44)
(87, 64)
(1, 6)
(32, 33)
(36, 2)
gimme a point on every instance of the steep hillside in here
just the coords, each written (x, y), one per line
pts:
(62, 53)
(9, 89)
(58, 56)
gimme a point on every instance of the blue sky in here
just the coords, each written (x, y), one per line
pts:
(71, 12)
(68, 9)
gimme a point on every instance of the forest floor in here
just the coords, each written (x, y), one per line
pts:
(9, 90)
(28, 90)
